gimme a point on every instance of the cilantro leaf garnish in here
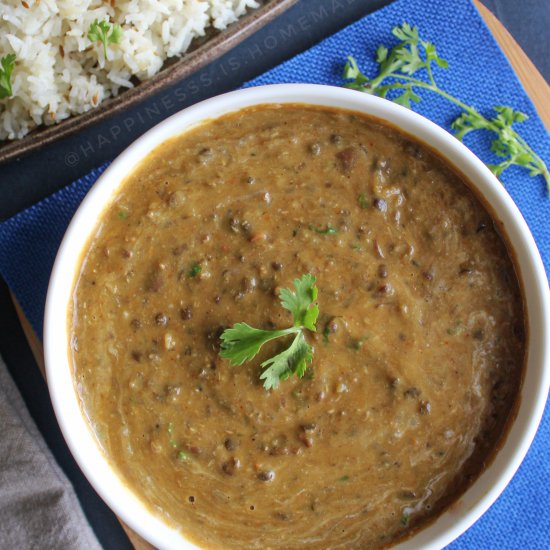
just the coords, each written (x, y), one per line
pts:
(293, 360)
(329, 230)
(300, 303)
(363, 203)
(397, 68)
(241, 342)
(104, 32)
(196, 269)
(7, 63)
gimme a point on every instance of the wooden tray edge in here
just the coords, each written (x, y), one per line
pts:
(532, 81)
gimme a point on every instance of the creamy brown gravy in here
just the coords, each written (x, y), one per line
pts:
(417, 359)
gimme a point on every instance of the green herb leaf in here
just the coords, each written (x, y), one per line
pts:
(397, 68)
(196, 269)
(381, 55)
(241, 342)
(116, 35)
(300, 303)
(353, 74)
(357, 343)
(329, 230)
(431, 55)
(406, 97)
(293, 360)
(104, 32)
(170, 430)
(7, 63)
(406, 33)
(363, 203)
(183, 456)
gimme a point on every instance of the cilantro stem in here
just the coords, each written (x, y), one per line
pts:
(404, 60)
(536, 161)
(106, 33)
(433, 87)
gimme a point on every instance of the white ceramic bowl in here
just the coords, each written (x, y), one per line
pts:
(56, 332)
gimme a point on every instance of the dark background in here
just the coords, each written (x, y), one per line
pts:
(25, 181)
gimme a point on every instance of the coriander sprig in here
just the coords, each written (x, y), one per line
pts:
(411, 55)
(7, 63)
(104, 32)
(241, 342)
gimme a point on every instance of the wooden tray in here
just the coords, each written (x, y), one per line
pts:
(535, 86)
(202, 51)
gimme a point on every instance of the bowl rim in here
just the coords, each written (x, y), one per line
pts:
(76, 428)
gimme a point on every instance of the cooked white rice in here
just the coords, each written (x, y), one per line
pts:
(59, 72)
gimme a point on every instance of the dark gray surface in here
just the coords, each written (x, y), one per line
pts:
(25, 181)
(529, 23)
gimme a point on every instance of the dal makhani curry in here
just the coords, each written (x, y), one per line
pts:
(417, 357)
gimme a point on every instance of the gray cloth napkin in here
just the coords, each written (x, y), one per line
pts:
(38, 506)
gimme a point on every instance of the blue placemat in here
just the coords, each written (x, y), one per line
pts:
(479, 75)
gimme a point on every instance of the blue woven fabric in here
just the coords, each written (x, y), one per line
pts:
(479, 75)
(29, 243)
